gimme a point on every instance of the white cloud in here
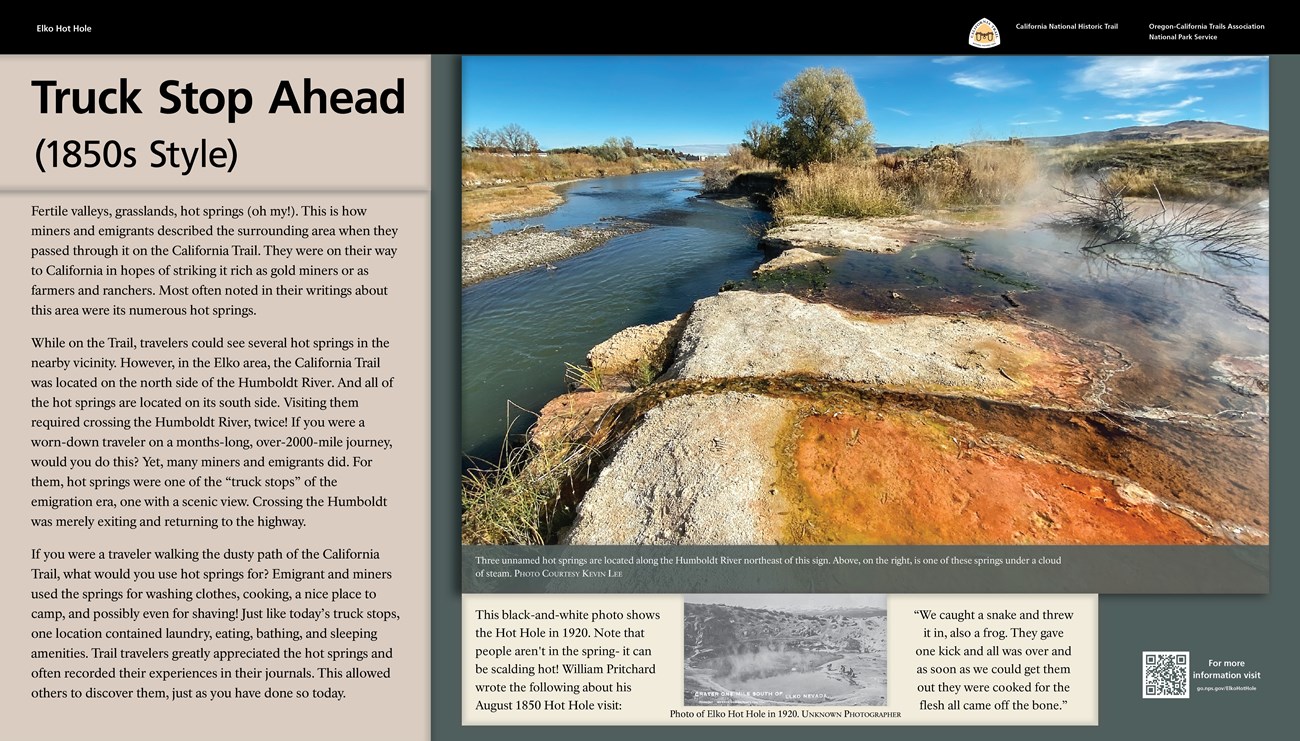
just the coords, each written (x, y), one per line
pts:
(1145, 118)
(949, 60)
(899, 111)
(1148, 118)
(991, 82)
(1127, 78)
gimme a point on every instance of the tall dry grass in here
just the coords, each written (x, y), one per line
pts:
(523, 497)
(839, 189)
(998, 173)
(479, 169)
(1198, 170)
(942, 177)
(494, 186)
(744, 160)
(517, 500)
(1155, 182)
(974, 175)
(719, 172)
(481, 205)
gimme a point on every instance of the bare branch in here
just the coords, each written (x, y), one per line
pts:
(1106, 218)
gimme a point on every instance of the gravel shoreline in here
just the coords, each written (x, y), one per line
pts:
(494, 255)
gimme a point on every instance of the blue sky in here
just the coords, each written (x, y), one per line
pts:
(702, 104)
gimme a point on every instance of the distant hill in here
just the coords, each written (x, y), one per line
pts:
(1178, 131)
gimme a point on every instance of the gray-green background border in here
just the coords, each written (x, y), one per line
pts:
(1258, 629)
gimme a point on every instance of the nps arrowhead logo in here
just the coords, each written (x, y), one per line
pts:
(984, 35)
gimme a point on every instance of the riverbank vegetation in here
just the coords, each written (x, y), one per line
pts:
(823, 149)
(824, 145)
(941, 178)
(478, 207)
(984, 174)
(511, 156)
(519, 499)
(720, 173)
(839, 189)
(1228, 171)
(503, 173)
(513, 502)
(482, 169)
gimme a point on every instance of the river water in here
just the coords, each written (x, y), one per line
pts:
(1192, 330)
(519, 330)
(1174, 316)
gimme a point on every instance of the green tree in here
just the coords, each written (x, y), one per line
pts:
(823, 119)
(763, 140)
(610, 151)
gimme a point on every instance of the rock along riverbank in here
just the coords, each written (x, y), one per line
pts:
(495, 255)
(769, 418)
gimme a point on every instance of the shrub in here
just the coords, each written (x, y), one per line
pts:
(823, 119)
(718, 174)
(976, 174)
(838, 189)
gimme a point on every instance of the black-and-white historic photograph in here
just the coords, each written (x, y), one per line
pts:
(785, 649)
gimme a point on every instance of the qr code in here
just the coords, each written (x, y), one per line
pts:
(1165, 675)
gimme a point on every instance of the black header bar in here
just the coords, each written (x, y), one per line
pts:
(907, 31)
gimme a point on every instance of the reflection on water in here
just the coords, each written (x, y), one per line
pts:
(631, 196)
(518, 331)
(1192, 345)
(1170, 326)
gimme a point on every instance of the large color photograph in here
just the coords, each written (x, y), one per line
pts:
(854, 300)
